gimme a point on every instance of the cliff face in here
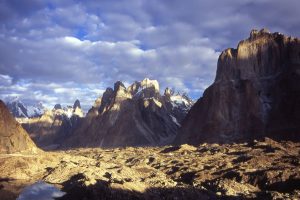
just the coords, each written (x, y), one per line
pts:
(256, 93)
(135, 116)
(13, 138)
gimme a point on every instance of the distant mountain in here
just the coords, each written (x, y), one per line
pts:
(134, 116)
(21, 110)
(13, 138)
(256, 93)
(52, 128)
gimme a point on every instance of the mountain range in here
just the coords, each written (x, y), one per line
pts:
(51, 128)
(134, 116)
(244, 132)
(21, 110)
(255, 94)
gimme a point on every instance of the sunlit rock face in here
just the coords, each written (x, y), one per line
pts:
(261, 169)
(134, 116)
(256, 93)
(13, 138)
(54, 126)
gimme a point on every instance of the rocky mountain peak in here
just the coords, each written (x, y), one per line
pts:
(119, 85)
(57, 106)
(255, 33)
(107, 97)
(54, 125)
(76, 104)
(17, 108)
(145, 89)
(132, 116)
(168, 92)
(256, 93)
(148, 83)
(120, 91)
(134, 88)
(261, 55)
(21, 110)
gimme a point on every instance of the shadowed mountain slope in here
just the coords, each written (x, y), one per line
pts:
(13, 138)
(256, 93)
(135, 116)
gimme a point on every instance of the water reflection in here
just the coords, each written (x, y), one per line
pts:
(40, 191)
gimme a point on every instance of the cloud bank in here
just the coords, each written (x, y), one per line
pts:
(56, 52)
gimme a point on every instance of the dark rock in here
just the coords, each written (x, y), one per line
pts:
(256, 93)
(187, 177)
(133, 116)
(150, 160)
(57, 106)
(118, 85)
(13, 138)
(170, 149)
(242, 159)
(76, 104)
(286, 186)
(107, 175)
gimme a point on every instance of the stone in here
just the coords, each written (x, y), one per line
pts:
(135, 116)
(76, 172)
(51, 129)
(256, 94)
(13, 138)
(76, 104)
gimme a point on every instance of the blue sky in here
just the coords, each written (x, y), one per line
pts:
(58, 51)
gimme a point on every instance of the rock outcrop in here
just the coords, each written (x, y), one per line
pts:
(263, 169)
(135, 116)
(54, 126)
(256, 93)
(76, 104)
(13, 138)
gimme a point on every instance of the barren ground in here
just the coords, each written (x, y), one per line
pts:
(261, 169)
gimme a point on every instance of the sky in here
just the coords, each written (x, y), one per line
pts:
(59, 51)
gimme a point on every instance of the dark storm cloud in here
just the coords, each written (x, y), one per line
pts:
(229, 21)
(57, 51)
(16, 9)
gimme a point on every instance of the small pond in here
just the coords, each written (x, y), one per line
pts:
(40, 191)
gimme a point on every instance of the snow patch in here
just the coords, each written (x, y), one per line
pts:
(178, 99)
(175, 120)
(19, 109)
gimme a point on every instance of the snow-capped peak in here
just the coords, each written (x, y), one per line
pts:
(21, 110)
(68, 111)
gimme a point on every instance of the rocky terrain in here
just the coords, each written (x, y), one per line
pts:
(13, 138)
(263, 169)
(52, 128)
(256, 93)
(134, 116)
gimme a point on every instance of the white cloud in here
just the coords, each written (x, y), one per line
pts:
(51, 93)
(67, 50)
(5, 80)
(72, 41)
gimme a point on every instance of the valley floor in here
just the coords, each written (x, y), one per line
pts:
(259, 170)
